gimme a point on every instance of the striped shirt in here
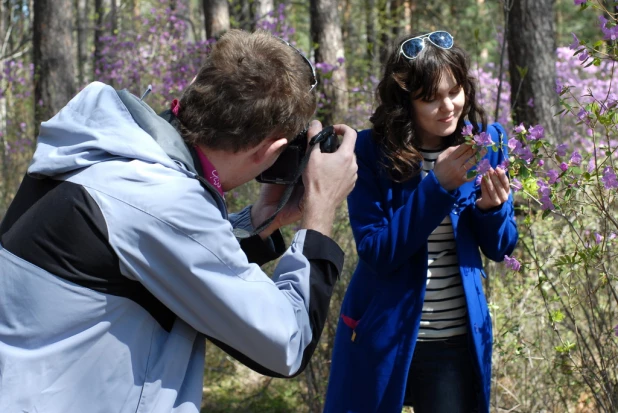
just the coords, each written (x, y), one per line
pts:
(444, 310)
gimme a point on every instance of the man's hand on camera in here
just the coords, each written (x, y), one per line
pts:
(328, 179)
(267, 203)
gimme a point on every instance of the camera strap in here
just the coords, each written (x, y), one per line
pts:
(285, 197)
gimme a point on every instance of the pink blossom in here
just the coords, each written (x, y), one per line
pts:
(483, 166)
(516, 185)
(519, 129)
(537, 132)
(466, 130)
(512, 263)
(552, 176)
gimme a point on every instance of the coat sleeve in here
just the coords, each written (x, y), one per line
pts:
(187, 256)
(386, 238)
(496, 230)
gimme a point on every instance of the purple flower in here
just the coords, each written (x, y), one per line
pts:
(537, 132)
(598, 237)
(591, 165)
(519, 129)
(504, 164)
(578, 2)
(616, 330)
(576, 158)
(564, 167)
(466, 130)
(483, 139)
(514, 145)
(612, 236)
(609, 178)
(483, 166)
(561, 149)
(575, 43)
(516, 185)
(541, 162)
(512, 263)
(552, 176)
(478, 180)
(530, 102)
(341, 60)
(525, 154)
(583, 56)
(544, 192)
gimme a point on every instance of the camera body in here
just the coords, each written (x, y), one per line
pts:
(285, 168)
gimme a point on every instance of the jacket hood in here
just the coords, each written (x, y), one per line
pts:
(101, 124)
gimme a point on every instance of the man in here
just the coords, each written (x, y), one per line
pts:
(117, 255)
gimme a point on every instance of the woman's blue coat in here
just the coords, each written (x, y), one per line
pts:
(391, 223)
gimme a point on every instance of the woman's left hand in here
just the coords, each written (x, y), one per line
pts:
(495, 189)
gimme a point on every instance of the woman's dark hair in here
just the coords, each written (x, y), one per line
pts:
(393, 124)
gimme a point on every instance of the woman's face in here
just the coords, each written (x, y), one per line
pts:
(438, 117)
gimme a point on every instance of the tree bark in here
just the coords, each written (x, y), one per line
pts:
(532, 48)
(216, 17)
(99, 30)
(326, 34)
(81, 7)
(54, 79)
(385, 34)
(262, 8)
(373, 50)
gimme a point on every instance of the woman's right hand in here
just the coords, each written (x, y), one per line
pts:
(452, 166)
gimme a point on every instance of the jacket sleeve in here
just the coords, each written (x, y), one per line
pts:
(386, 239)
(256, 249)
(496, 230)
(186, 255)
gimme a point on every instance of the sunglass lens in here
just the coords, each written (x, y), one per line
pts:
(411, 48)
(442, 39)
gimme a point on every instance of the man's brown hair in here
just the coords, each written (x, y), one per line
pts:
(251, 86)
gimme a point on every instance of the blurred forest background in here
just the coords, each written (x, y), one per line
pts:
(551, 354)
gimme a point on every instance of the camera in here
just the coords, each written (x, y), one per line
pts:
(285, 170)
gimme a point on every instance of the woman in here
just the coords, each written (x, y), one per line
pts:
(415, 328)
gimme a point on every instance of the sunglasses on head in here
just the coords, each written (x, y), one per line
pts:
(411, 48)
(314, 79)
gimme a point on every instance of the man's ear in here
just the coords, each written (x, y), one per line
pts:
(268, 148)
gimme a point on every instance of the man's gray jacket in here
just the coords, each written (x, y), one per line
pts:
(117, 260)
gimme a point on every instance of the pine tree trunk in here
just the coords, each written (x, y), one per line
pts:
(99, 30)
(52, 42)
(373, 50)
(216, 17)
(81, 7)
(326, 34)
(532, 49)
(262, 8)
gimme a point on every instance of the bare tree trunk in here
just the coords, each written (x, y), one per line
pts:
(4, 158)
(81, 7)
(262, 8)
(385, 34)
(396, 12)
(326, 34)
(413, 16)
(532, 63)
(113, 17)
(241, 10)
(54, 79)
(371, 15)
(216, 17)
(99, 10)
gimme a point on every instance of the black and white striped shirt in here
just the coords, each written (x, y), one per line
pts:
(444, 310)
